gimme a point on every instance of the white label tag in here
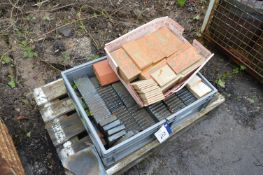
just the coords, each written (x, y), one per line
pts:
(162, 134)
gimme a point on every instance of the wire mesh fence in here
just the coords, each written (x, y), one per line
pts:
(238, 29)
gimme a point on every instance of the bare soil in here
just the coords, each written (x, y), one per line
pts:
(65, 33)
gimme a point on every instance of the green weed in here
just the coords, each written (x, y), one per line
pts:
(93, 57)
(196, 18)
(181, 3)
(12, 81)
(5, 59)
(31, 18)
(66, 56)
(28, 51)
(221, 80)
(74, 86)
(46, 18)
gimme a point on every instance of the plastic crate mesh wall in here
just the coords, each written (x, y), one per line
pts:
(238, 29)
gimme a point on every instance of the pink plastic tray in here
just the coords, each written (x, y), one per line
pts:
(149, 27)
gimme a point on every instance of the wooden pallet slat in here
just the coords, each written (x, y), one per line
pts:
(63, 128)
(49, 92)
(56, 108)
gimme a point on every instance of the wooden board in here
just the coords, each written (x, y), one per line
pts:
(52, 110)
(199, 90)
(9, 159)
(49, 92)
(146, 73)
(61, 120)
(63, 128)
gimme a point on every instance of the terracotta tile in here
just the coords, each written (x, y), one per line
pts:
(104, 73)
(167, 41)
(127, 69)
(129, 72)
(193, 67)
(163, 75)
(146, 73)
(184, 59)
(138, 54)
(121, 57)
(153, 49)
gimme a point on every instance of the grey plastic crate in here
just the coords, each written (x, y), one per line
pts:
(119, 151)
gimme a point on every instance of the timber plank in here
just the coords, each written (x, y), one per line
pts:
(49, 92)
(57, 108)
(63, 128)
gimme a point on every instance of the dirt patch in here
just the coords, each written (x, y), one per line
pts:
(243, 93)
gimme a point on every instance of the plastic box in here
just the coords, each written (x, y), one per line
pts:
(119, 151)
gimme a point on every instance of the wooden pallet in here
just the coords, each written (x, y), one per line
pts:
(68, 134)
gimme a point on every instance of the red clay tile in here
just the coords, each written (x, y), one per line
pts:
(104, 73)
(184, 59)
(152, 49)
(138, 54)
(128, 70)
(167, 40)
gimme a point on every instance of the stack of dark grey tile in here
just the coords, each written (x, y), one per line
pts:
(174, 103)
(114, 111)
(113, 129)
